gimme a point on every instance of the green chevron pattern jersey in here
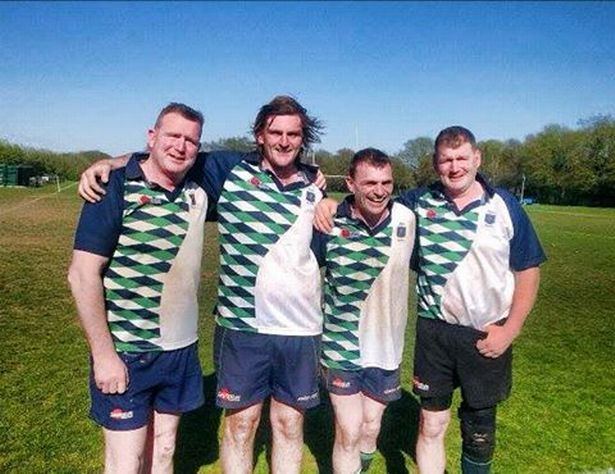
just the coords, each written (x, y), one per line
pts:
(269, 278)
(153, 274)
(366, 289)
(466, 258)
(445, 237)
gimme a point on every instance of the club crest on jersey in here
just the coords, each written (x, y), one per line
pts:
(348, 234)
(254, 181)
(310, 197)
(490, 218)
(400, 232)
(431, 214)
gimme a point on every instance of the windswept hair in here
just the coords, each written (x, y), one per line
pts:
(311, 127)
(453, 137)
(370, 156)
(182, 109)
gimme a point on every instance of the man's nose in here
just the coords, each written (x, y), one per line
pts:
(180, 143)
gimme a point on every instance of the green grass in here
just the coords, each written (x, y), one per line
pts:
(559, 418)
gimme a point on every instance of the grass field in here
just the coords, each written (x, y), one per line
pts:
(560, 417)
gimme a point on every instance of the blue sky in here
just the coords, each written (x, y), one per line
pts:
(81, 76)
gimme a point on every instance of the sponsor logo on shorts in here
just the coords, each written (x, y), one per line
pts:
(420, 385)
(119, 414)
(225, 394)
(339, 383)
(392, 390)
(305, 398)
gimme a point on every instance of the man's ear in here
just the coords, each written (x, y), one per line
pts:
(349, 183)
(151, 137)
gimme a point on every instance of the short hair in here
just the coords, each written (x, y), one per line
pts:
(311, 127)
(454, 137)
(182, 109)
(370, 156)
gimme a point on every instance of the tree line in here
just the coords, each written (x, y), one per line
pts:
(558, 165)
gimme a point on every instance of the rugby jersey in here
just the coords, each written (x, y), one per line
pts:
(466, 258)
(154, 241)
(269, 280)
(366, 288)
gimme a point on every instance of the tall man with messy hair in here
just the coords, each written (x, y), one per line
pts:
(268, 316)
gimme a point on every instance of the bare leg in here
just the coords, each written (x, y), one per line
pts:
(348, 411)
(430, 454)
(124, 450)
(161, 441)
(237, 450)
(372, 419)
(287, 443)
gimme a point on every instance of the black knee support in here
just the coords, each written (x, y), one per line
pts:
(477, 433)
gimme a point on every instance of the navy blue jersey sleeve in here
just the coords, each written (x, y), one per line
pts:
(525, 249)
(100, 223)
(319, 246)
(210, 172)
(409, 198)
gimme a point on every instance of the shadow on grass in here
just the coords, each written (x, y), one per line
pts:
(398, 434)
(197, 437)
(198, 443)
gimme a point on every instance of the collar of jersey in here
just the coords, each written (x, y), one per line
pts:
(345, 210)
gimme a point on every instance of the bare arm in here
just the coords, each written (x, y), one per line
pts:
(323, 217)
(89, 186)
(500, 337)
(85, 278)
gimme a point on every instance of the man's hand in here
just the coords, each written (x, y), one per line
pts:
(323, 217)
(498, 339)
(321, 181)
(110, 374)
(89, 186)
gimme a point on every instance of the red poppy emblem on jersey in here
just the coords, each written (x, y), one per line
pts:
(255, 181)
(144, 199)
(431, 214)
(345, 233)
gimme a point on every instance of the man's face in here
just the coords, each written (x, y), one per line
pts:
(281, 140)
(457, 167)
(372, 187)
(174, 144)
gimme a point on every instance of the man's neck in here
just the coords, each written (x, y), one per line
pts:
(286, 175)
(473, 193)
(371, 221)
(156, 176)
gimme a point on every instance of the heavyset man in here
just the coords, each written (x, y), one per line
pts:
(477, 259)
(268, 312)
(367, 261)
(134, 275)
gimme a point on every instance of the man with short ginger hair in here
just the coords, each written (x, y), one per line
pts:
(135, 284)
